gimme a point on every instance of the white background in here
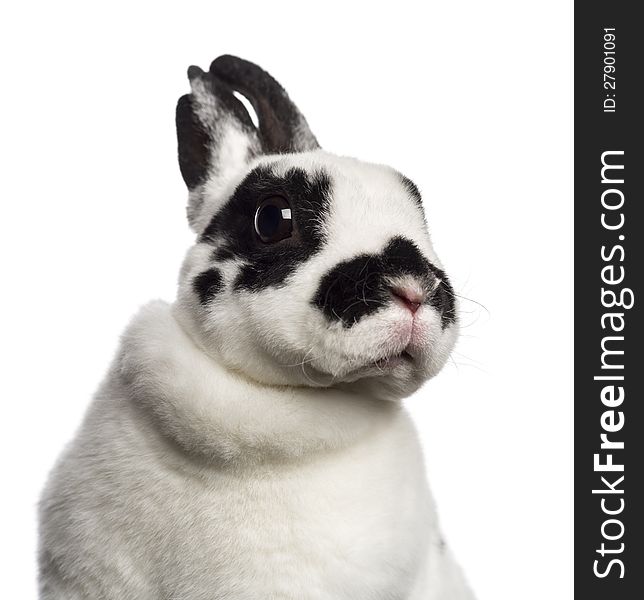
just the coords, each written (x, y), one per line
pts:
(472, 100)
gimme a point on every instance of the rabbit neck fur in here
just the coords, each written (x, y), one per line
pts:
(207, 408)
(305, 493)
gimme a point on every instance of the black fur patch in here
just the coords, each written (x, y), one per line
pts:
(207, 285)
(222, 254)
(359, 287)
(232, 227)
(443, 298)
(193, 143)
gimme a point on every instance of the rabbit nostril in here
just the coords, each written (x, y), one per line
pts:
(409, 297)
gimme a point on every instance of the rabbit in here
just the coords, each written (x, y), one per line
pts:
(249, 440)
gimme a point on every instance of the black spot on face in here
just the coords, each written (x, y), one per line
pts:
(361, 286)
(207, 285)
(221, 254)
(233, 226)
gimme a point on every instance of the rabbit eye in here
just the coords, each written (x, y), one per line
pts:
(273, 220)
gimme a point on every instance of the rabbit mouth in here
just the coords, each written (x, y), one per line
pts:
(394, 360)
(382, 366)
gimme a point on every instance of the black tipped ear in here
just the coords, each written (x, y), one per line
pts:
(194, 72)
(216, 139)
(194, 143)
(207, 120)
(216, 136)
(282, 127)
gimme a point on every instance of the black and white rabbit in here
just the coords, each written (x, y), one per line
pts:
(248, 441)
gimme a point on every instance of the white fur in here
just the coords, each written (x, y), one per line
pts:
(235, 490)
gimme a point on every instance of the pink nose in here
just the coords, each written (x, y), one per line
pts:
(409, 297)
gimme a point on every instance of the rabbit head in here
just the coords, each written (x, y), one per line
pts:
(309, 268)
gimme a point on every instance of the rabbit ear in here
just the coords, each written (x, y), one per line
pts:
(212, 127)
(216, 139)
(216, 135)
(282, 127)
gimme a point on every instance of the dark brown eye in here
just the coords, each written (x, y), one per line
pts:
(273, 220)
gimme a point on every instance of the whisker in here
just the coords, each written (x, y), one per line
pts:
(365, 301)
(471, 362)
(303, 366)
(474, 302)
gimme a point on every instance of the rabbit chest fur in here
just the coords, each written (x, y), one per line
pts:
(248, 440)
